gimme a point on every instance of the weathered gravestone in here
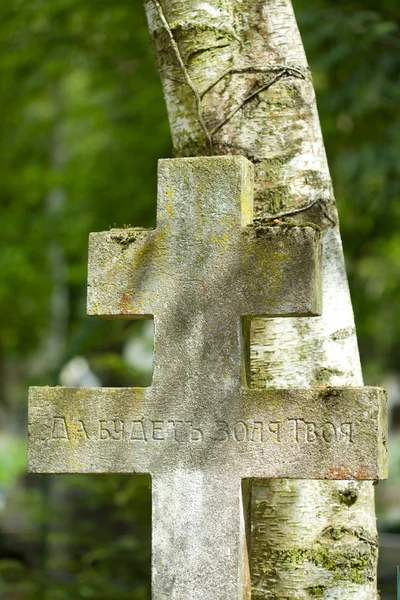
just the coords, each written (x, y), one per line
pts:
(198, 430)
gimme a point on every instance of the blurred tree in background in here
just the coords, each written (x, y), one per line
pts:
(82, 125)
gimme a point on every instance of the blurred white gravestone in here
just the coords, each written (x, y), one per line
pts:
(199, 430)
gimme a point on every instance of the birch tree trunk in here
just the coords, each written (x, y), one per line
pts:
(236, 81)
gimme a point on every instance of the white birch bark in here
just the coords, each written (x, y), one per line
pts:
(236, 81)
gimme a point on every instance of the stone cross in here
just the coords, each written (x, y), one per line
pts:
(200, 430)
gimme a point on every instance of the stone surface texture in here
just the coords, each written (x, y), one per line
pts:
(318, 433)
(199, 430)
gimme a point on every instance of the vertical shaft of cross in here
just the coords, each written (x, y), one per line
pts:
(198, 356)
(197, 331)
(199, 548)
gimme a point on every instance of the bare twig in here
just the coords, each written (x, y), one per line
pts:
(185, 72)
(247, 99)
(289, 213)
(254, 69)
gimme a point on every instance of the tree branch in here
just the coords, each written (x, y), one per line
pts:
(253, 69)
(264, 87)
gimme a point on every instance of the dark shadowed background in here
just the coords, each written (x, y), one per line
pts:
(82, 124)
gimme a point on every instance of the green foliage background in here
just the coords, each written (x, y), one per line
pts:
(82, 125)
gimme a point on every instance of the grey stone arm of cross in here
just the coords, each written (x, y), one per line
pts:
(317, 433)
(199, 430)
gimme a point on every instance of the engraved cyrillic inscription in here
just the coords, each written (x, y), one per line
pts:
(221, 433)
(59, 429)
(81, 429)
(158, 430)
(111, 428)
(138, 432)
(196, 434)
(183, 431)
(328, 432)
